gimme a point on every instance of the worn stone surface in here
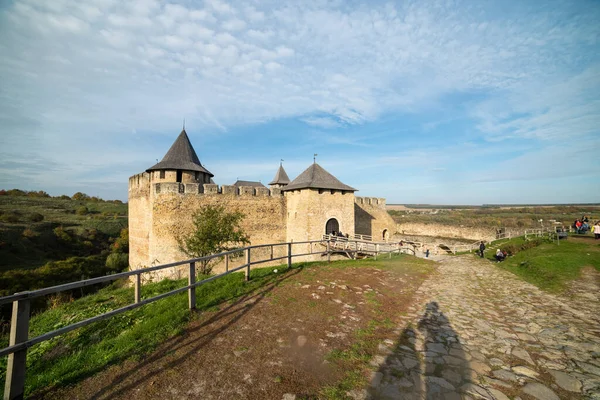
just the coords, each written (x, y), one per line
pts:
(540, 391)
(477, 332)
(566, 381)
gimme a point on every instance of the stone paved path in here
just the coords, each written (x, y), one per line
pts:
(477, 332)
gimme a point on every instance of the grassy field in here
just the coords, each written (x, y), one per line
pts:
(132, 335)
(46, 241)
(27, 229)
(548, 265)
(497, 216)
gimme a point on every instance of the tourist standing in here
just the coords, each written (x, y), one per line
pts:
(597, 230)
(481, 249)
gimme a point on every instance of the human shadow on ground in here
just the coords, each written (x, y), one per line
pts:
(428, 362)
(179, 348)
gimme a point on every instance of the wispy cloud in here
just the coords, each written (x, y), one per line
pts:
(76, 71)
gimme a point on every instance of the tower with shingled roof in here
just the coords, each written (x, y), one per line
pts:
(181, 164)
(163, 199)
(318, 203)
(281, 178)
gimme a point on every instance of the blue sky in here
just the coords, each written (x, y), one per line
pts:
(442, 102)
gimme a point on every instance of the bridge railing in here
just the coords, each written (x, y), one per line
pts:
(366, 246)
(19, 340)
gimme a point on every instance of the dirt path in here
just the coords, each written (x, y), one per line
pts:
(269, 345)
(476, 331)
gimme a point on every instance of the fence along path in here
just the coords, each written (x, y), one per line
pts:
(19, 326)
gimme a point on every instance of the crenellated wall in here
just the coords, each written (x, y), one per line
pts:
(160, 211)
(210, 188)
(371, 218)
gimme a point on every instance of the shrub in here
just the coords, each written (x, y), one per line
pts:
(117, 261)
(121, 244)
(36, 217)
(83, 210)
(29, 233)
(11, 217)
(60, 233)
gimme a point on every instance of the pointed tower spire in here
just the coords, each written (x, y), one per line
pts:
(181, 156)
(315, 177)
(281, 178)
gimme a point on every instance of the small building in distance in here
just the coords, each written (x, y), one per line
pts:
(163, 198)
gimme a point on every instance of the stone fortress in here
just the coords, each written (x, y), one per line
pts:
(163, 198)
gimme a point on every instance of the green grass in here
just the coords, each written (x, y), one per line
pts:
(132, 334)
(550, 266)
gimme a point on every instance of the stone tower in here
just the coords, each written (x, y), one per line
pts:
(281, 179)
(180, 164)
(318, 203)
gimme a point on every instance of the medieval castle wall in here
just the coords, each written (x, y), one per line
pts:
(373, 219)
(160, 211)
(308, 211)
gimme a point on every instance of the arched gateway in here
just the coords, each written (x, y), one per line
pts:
(332, 226)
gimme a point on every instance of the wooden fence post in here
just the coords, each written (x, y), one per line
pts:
(247, 277)
(192, 290)
(14, 387)
(138, 288)
(328, 251)
(226, 262)
(289, 256)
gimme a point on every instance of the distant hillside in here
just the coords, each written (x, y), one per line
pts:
(37, 228)
(494, 217)
(46, 241)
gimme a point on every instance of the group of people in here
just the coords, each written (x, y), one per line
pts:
(339, 234)
(582, 226)
(500, 254)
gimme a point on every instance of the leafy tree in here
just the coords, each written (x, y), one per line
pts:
(80, 196)
(214, 230)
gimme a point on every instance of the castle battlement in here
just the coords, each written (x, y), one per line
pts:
(213, 189)
(373, 201)
(164, 199)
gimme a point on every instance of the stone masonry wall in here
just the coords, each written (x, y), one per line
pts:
(373, 219)
(264, 221)
(308, 211)
(140, 218)
(439, 230)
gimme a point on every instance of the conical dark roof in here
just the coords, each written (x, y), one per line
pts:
(315, 177)
(281, 178)
(181, 155)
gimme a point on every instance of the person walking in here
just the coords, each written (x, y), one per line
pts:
(481, 249)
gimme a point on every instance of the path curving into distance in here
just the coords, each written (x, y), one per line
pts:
(477, 332)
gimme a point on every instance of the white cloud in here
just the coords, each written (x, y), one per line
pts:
(520, 72)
